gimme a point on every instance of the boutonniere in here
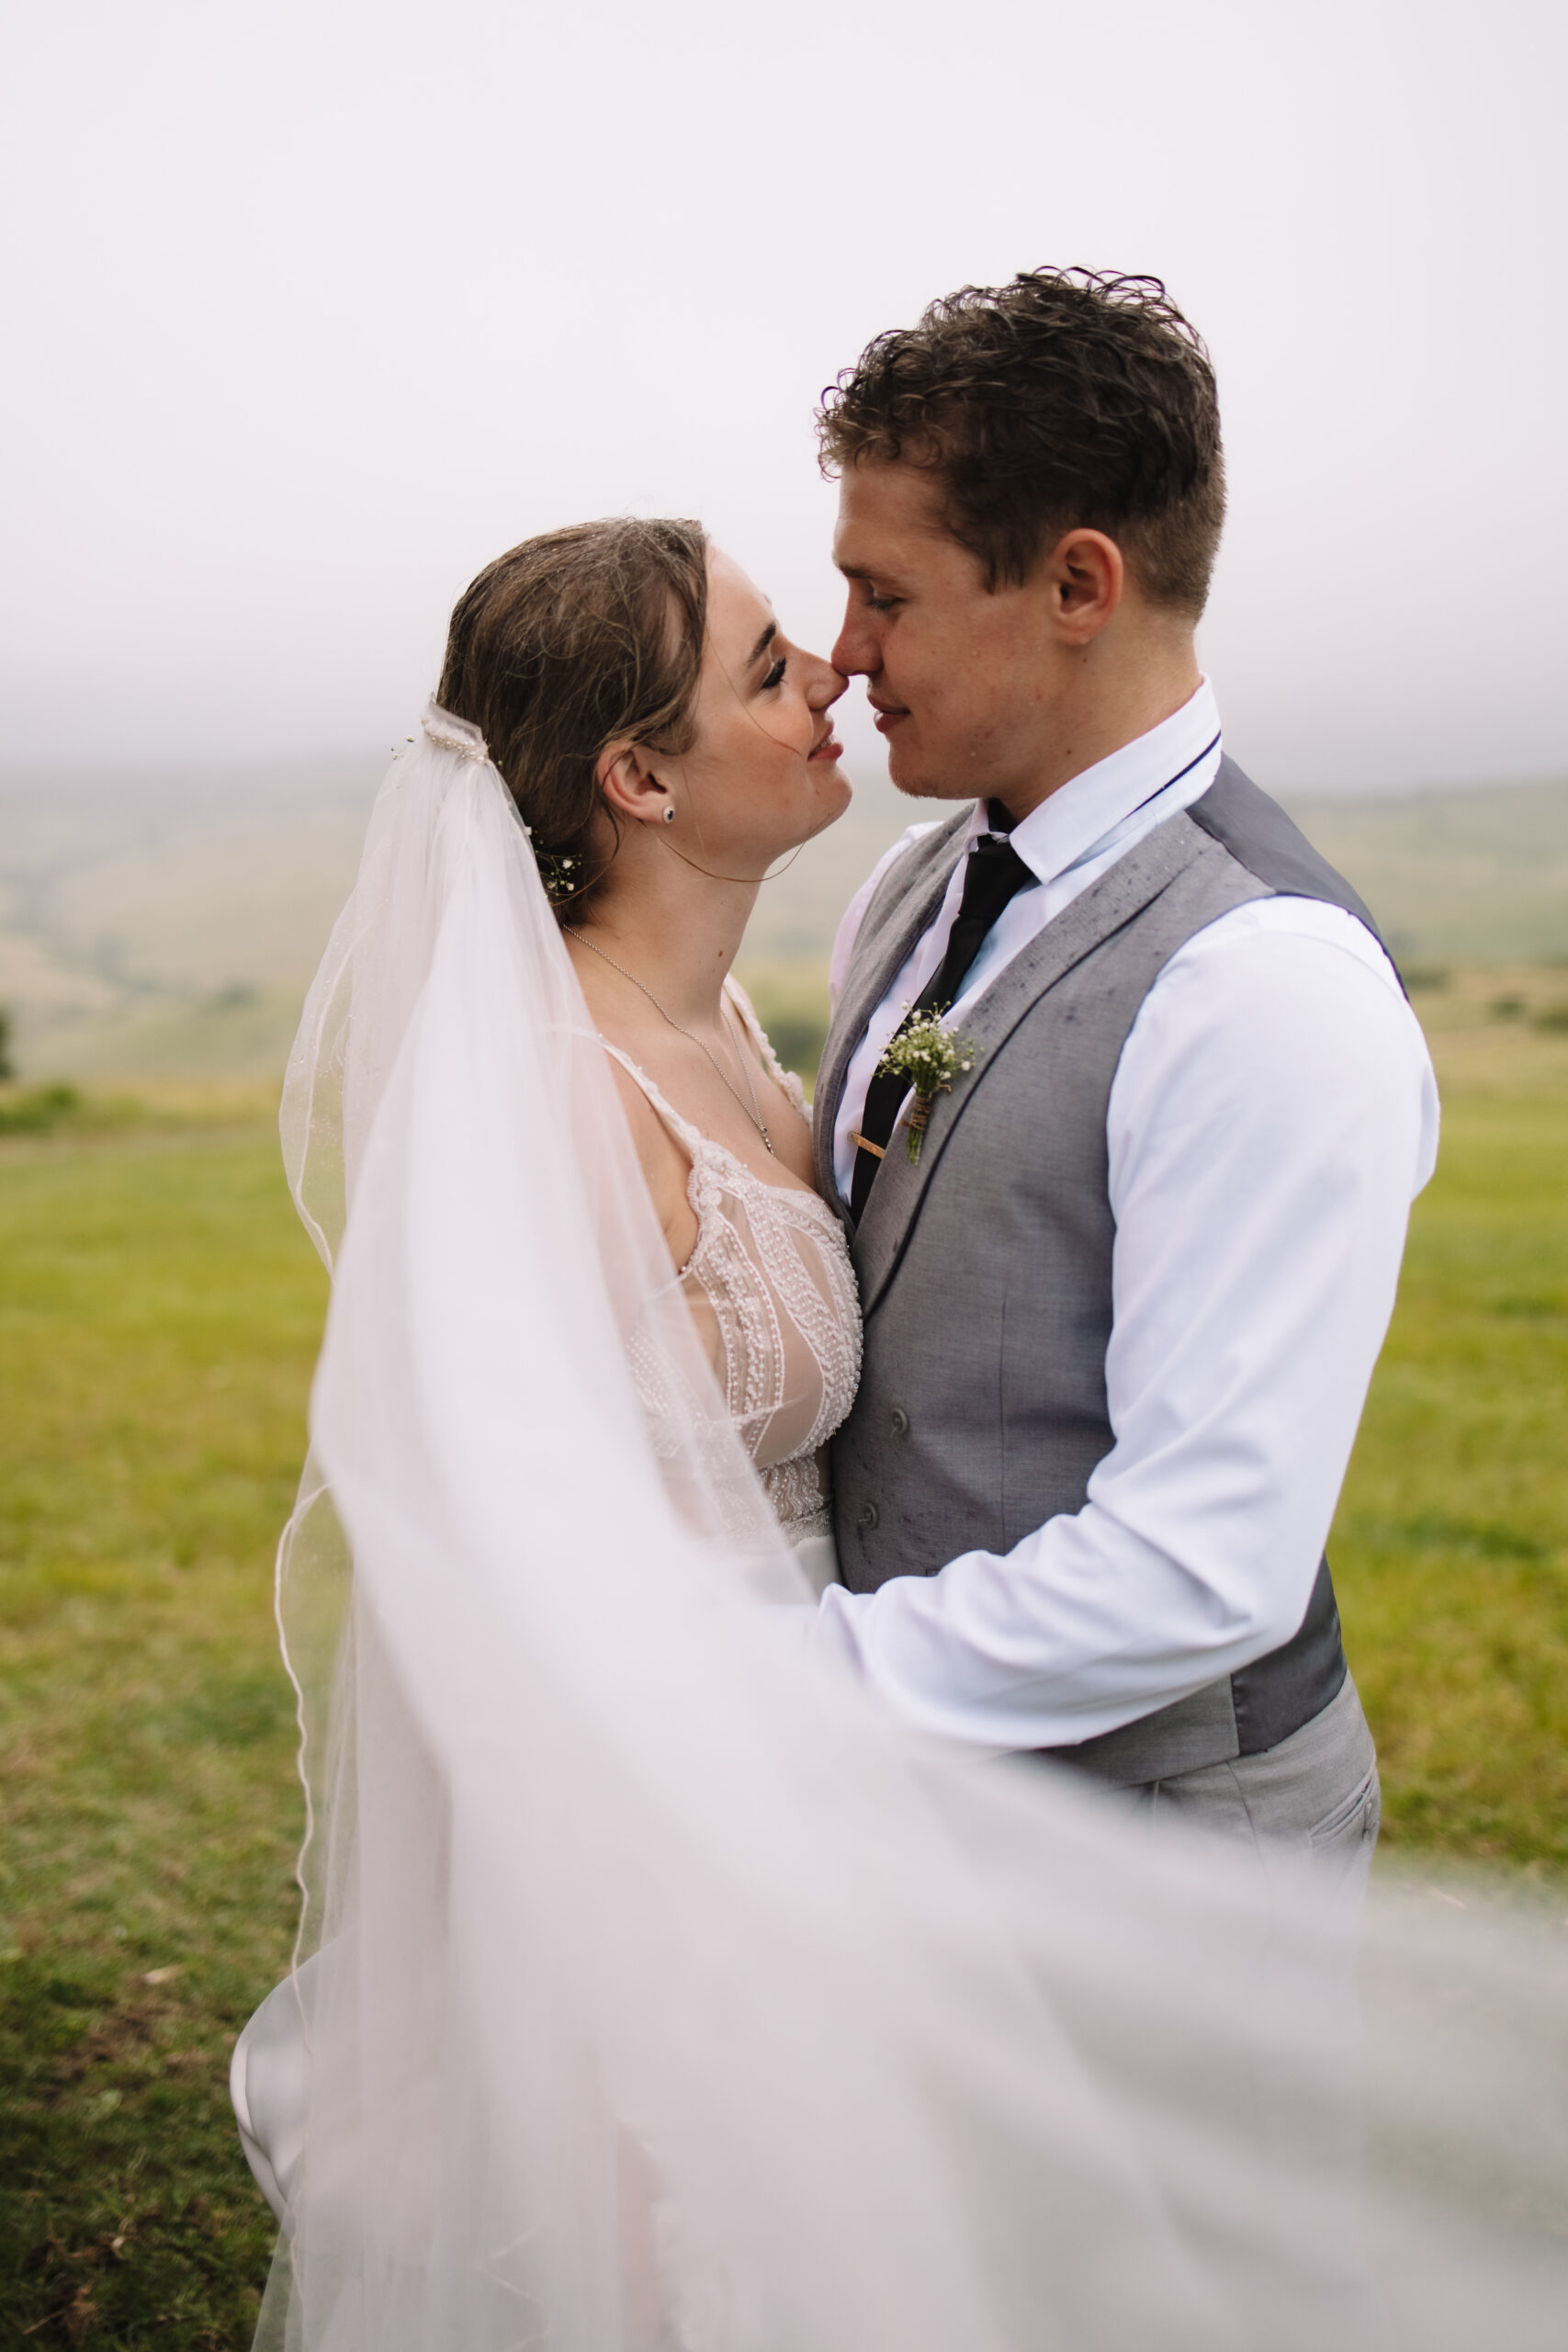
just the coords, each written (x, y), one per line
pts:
(928, 1058)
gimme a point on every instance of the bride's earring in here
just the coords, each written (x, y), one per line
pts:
(669, 816)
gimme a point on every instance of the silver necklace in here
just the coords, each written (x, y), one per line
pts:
(755, 1114)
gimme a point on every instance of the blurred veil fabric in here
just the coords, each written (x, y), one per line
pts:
(659, 1994)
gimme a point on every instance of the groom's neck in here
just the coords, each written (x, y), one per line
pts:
(1099, 700)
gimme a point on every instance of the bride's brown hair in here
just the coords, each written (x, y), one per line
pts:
(572, 641)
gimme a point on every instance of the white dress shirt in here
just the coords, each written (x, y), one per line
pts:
(1252, 1284)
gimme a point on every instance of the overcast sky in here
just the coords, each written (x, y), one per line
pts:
(316, 305)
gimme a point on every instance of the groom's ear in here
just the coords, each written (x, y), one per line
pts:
(1084, 576)
(629, 785)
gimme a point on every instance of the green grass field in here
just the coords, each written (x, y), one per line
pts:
(1450, 1547)
(160, 1313)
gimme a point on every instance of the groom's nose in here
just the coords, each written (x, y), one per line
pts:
(856, 653)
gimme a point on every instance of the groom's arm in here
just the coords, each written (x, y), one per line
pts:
(1271, 1118)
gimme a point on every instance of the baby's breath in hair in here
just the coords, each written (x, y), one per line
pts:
(563, 876)
(929, 1057)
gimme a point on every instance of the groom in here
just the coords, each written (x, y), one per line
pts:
(1121, 1313)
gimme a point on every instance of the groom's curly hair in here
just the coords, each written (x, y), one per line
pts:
(1069, 397)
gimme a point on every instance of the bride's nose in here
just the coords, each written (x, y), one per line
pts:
(826, 687)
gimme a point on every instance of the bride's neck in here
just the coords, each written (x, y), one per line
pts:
(675, 929)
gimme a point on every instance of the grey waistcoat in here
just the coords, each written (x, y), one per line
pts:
(985, 1268)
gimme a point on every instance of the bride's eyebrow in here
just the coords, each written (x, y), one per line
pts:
(762, 645)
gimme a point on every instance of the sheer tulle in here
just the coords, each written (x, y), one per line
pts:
(661, 1993)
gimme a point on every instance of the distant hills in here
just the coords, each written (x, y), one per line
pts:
(168, 925)
(1463, 877)
(156, 925)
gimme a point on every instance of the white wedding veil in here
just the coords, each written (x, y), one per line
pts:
(661, 1994)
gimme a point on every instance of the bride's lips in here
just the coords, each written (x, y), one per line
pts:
(888, 713)
(829, 748)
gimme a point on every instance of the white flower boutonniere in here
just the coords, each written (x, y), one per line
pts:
(928, 1057)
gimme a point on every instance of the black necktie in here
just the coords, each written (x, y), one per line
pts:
(994, 876)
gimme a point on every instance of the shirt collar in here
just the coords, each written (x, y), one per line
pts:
(1081, 813)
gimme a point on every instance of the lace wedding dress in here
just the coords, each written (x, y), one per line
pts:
(771, 1293)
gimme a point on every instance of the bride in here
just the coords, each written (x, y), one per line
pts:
(659, 1993)
(665, 745)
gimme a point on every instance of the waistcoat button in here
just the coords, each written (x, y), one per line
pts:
(867, 1515)
(900, 1421)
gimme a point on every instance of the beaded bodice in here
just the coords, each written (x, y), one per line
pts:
(773, 1293)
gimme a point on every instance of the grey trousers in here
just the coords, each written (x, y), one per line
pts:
(1314, 1795)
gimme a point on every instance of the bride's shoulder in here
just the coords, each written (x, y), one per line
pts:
(663, 1144)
